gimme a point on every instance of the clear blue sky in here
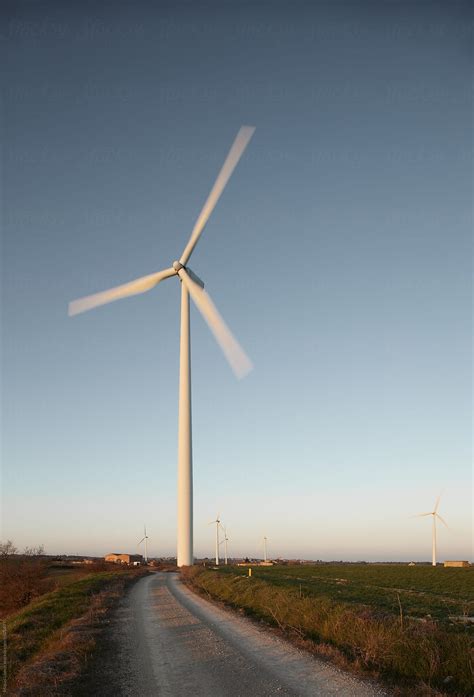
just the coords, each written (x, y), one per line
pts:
(339, 254)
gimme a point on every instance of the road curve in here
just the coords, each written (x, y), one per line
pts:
(169, 642)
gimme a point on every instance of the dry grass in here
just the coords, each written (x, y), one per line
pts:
(60, 661)
(421, 657)
(50, 640)
(24, 578)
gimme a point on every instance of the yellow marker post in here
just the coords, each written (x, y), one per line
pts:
(250, 572)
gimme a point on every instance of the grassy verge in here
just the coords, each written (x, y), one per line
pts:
(404, 651)
(48, 640)
(418, 592)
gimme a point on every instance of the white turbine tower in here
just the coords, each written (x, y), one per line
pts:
(434, 514)
(217, 522)
(145, 540)
(265, 549)
(192, 286)
(225, 540)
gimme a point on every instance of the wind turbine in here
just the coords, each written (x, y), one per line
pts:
(145, 539)
(434, 515)
(191, 285)
(217, 522)
(225, 540)
(265, 549)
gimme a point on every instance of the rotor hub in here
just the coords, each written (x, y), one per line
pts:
(177, 266)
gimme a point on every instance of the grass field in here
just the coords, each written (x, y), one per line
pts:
(394, 621)
(420, 591)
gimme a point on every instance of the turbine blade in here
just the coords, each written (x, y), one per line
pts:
(139, 285)
(420, 515)
(237, 358)
(195, 277)
(436, 504)
(442, 520)
(235, 153)
(141, 541)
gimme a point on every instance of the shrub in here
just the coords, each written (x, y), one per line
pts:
(22, 578)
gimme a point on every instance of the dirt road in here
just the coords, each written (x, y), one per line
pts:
(168, 642)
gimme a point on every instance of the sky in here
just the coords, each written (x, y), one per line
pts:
(339, 254)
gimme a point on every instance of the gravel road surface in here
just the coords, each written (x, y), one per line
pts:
(167, 641)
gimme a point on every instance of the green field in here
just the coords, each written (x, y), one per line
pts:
(420, 591)
(407, 625)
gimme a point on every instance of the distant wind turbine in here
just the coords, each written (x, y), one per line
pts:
(225, 544)
(145, 540)
(216, 522)
(434, 515)
(191, 285)
(265, 549)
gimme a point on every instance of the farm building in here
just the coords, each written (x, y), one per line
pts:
(130, 559)
(456, 563)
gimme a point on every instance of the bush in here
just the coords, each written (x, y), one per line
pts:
(23, 577)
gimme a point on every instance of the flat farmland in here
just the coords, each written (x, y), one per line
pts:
(421, 592)
(409, 625)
